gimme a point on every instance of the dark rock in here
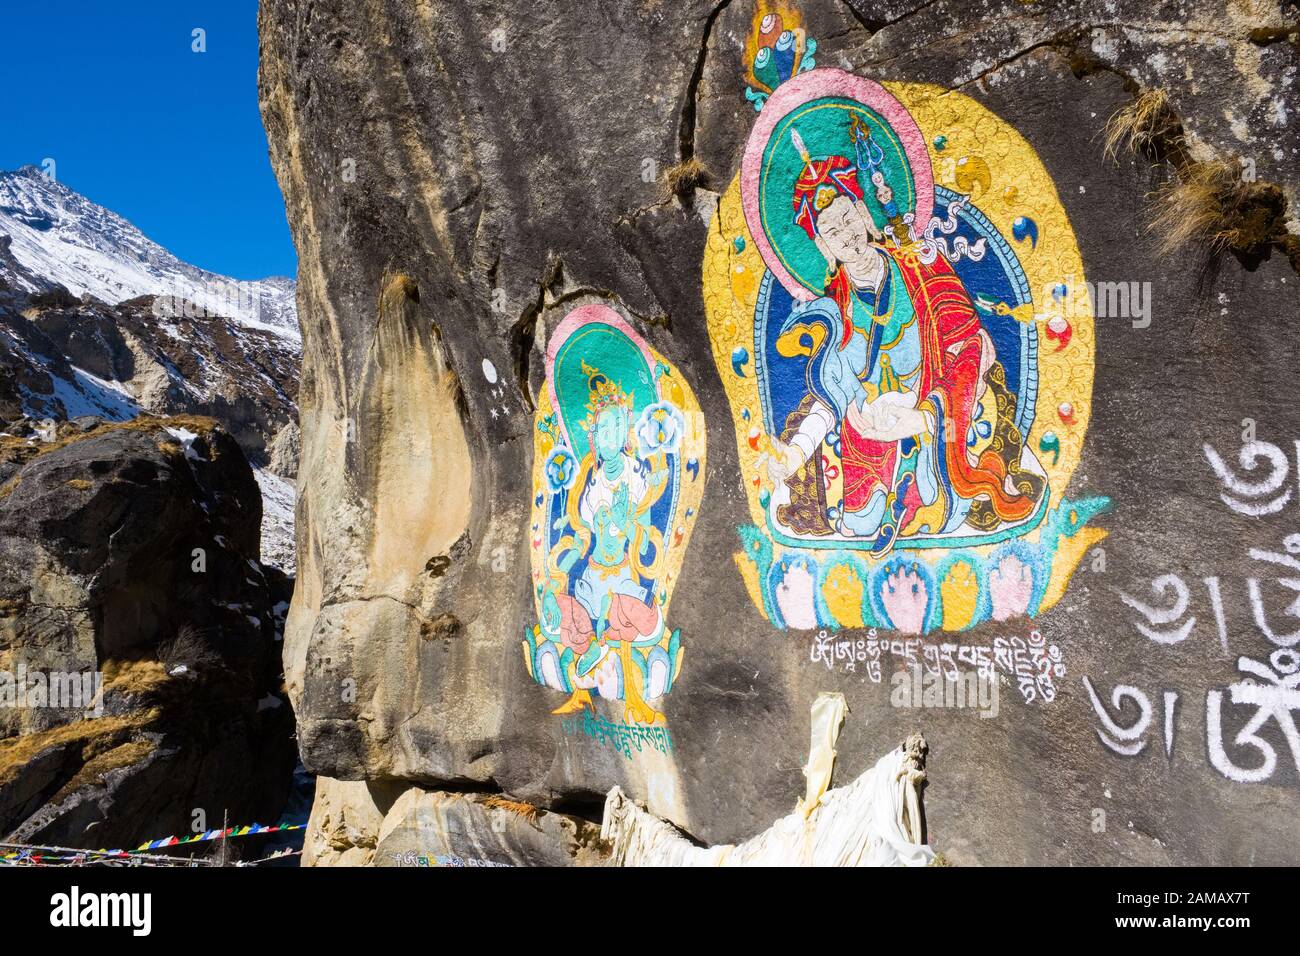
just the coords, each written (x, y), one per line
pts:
(56, 298)
(130, 550)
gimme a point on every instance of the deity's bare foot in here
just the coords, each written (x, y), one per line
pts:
(639, 712)
(576, 702)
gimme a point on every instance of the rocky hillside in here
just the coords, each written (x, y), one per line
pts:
(73, 357)
(668, 364)
(95, 319)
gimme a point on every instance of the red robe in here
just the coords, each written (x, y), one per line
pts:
(951, 352)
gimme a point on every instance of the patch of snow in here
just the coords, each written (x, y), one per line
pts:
(85, 394)
(278, 500)
(186, 438)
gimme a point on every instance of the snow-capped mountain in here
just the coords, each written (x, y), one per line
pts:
(60, 236)
(96, 320)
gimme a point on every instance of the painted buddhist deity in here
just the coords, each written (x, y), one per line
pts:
(886, 291)
(619, 444)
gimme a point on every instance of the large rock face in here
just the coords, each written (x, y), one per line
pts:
(1105, 477)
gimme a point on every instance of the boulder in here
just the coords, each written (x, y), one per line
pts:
(138, 635)
(543, 278)
(283, 451)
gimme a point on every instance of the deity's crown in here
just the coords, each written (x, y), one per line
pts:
(819, 183)
(605, 393)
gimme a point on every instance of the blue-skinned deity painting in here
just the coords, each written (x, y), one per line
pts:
(618, 477)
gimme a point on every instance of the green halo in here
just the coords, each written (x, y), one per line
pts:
(617, 357)
(823, 125)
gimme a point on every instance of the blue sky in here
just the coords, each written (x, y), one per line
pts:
(135, 120)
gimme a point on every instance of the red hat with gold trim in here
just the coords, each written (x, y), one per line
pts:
(821, 181)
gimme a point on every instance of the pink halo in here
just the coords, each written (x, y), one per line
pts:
(594, 312)
(793, 93)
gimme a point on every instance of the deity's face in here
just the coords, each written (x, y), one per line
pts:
(844, 231)
(611, 432)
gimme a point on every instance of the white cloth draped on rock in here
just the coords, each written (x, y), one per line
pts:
(874, 821)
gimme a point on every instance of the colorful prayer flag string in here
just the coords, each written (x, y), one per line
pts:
(17, 854)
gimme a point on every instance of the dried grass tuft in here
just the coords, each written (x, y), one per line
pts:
(189, 647)
(126, 755)
(1148, 125)
(136, 677)
(687, 176)
(92, 736)
(525, 810)
(1210, 203)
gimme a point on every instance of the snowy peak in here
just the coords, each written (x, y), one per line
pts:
(59, 236)
(31, 199)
